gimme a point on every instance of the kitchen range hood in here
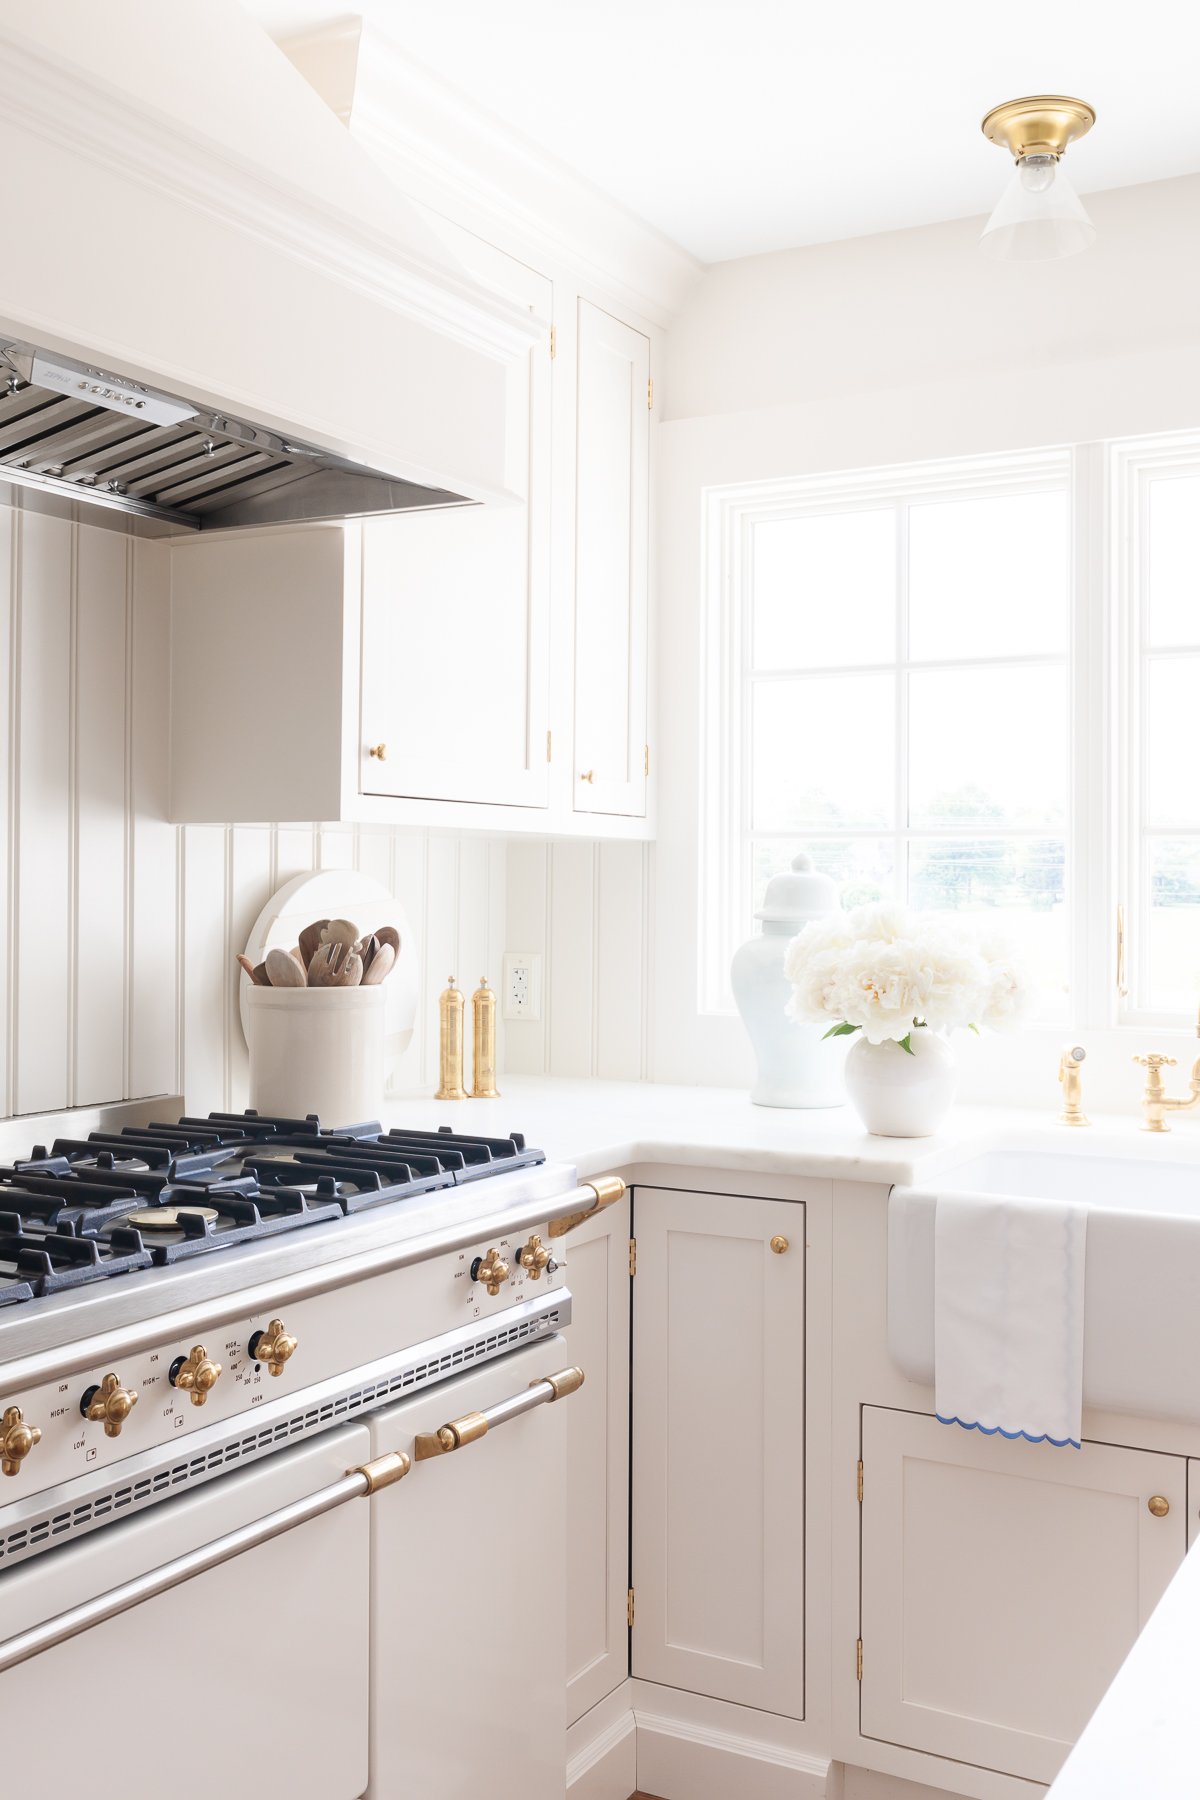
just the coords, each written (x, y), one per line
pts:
(75, 431)
(216, 311)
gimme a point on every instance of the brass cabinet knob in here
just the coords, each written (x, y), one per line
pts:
(379, 751)
(492, 1270)
(196, 1374)
(533, 1257)
(1159, 1505)
(274, 1346)
(588, 775)
(110, 1403)
(16, 1440)
(780, 1244)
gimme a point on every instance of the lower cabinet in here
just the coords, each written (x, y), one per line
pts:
(1003, 1584)
(718, 1447)
(597, 1254)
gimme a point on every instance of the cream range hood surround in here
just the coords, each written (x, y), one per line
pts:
(214, 309)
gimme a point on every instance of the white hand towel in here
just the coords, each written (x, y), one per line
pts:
(1008, 1316)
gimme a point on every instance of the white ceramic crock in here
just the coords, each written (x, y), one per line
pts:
(794, 1067)
(316, 1050)
(898, 1095)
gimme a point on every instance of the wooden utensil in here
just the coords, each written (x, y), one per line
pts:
(340, 931)
(335, 965)
(245, 963)
(387, 934)
(367, 948)
(310, 939)
(284, 971)
(379, 967)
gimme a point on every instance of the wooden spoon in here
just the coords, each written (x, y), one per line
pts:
(367, 948)
(340, 931)
(284, 971)
(387, 934)
(310, 939)
(245, 963)
(379, 967)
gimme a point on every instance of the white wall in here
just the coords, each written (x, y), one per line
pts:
(119, 979)
(891, 349)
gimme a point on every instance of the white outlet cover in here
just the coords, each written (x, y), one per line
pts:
(516, 961)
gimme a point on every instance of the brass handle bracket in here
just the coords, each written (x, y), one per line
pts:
(608, 1189)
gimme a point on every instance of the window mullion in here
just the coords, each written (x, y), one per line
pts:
(1091, 867)
(900, 800)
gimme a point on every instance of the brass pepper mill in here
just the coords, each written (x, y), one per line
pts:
(483, 1008)
(450, 1044)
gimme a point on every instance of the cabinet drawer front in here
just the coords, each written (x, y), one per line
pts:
(1003, 1583)
(718, 1447)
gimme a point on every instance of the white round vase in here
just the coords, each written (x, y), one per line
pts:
(898, 1095)
(795, 1068)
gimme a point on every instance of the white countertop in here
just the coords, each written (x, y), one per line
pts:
(600, 1125)
(1142, 1737)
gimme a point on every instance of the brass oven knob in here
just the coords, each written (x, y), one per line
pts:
(109, 1402)
(16, 1440)
(195, 1373)
(273, 1346)
(533, 1257)
(492, 1270)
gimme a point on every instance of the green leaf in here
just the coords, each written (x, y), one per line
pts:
(905, 1043)
(842, 1030)
(973, 1028)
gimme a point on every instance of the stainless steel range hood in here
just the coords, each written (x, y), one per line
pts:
(76, 431)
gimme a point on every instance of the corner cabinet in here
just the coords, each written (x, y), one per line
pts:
(1003, 1584)
(718, 1447)
(612, 573)
(476, 667)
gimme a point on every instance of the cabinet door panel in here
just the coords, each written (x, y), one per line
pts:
(462, 596)
(718, 1447)
(598, 1461)
(1003, 1583)
(612, 501)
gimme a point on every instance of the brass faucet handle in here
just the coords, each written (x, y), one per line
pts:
(1154, 1062)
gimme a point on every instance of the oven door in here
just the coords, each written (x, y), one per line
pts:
(468, 1634)
(245, 1680)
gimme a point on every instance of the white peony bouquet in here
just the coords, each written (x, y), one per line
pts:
(883, 970)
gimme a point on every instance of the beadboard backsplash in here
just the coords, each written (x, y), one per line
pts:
(118, 980)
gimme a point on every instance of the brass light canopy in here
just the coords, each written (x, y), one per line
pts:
(1039, 216)
(1040, 125)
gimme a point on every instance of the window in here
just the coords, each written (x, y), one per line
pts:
(908, 674)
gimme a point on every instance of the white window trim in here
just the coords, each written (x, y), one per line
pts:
(1102, 826)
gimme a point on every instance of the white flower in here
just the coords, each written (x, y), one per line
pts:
(882, 970)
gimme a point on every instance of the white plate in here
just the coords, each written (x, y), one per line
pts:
(342, 894)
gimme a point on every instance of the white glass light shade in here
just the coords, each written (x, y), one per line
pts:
(1039, 216)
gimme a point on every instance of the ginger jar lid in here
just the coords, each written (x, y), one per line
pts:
(798, 894)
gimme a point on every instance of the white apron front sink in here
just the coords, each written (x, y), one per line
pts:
(1142, 1286)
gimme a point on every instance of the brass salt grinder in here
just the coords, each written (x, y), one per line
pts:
(450, 1044)
(483, 1010)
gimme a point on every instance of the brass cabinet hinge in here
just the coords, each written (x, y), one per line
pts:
(633, 1256)
(858, 1659)
(553, 342)
(650, 394)
(629, 1609)
(647, 764)
(860, 1484)
(549, 741)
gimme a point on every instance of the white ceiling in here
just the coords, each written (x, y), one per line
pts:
(739, 126)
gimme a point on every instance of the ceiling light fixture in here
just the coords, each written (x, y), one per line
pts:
(1039, 216)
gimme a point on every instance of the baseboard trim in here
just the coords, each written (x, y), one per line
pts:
(680, 1759)
(602, 1752)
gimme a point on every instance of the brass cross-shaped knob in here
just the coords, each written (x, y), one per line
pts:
(109, 1402)
(16, 1440)
(274, 1346)
(492, 1270)
(533, 1257)
(196, 1373)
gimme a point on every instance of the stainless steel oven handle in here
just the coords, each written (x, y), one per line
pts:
(367, 1479)
(474, 1425)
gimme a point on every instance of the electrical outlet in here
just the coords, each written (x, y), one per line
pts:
(521, 995)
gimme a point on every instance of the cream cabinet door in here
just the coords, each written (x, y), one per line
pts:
(612, 520)
(598, 1460)
(718, 1447)
(456, 608)
(1003, 1584)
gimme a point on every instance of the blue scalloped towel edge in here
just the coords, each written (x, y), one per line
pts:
(991, 1430)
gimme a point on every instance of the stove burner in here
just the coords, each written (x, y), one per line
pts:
(94, 1208)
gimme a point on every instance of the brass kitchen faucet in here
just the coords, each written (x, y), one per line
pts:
(1156, 1102)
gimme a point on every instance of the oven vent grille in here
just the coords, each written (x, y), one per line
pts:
(130, 1496)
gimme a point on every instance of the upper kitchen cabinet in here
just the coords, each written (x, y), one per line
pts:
(456, 607)
(612, 529)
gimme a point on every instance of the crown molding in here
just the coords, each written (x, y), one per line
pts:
(459, 160)
(53, 100)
